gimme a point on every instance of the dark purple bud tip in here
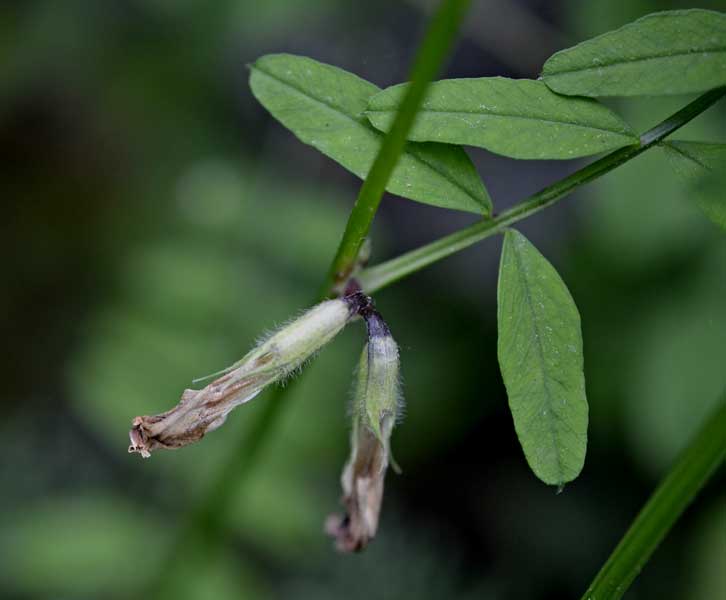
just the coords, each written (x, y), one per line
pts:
(358, 303)
(376, 325)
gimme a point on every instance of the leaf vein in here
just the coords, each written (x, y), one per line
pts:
(513, 116)
(623, 61)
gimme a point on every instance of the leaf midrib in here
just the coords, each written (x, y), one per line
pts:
(616, 63)
(540, 352)
(510, 116)
(364, 124)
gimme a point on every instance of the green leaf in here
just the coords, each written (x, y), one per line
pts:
(520, 118)
(704, 164)
(676, 52)
(323, 106)
(695, 159)
(540, 355)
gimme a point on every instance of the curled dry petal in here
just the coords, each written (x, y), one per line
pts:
(201, 411)
(362, 482)
(198, 412)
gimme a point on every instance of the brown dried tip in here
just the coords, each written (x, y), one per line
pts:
(363, 494)
(198, 412)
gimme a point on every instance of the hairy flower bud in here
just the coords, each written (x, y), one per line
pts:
(376, 406)
(380, 403)
(275, 358)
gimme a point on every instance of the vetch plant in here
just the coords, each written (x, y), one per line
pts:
(409, 139)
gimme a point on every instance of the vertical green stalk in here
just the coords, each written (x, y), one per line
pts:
(693, 468)
(437, 42)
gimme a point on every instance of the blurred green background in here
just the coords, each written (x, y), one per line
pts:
(156, 220)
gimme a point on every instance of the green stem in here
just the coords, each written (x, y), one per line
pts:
(380, 276)
(437, 42)
(695, 465)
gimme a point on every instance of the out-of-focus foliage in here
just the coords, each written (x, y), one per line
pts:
(709, 544)
(156, 221)
(72, 545)
(703, 166)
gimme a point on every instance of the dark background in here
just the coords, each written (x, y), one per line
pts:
(155, 220)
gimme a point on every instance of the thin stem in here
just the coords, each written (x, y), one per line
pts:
(695, 465)
(437, 42)
(380, 276)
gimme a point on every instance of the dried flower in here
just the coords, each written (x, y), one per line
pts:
(376, 405)
(274, 359)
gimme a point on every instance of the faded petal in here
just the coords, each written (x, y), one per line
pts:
(362, 483)
(198, 412)
(201, 411)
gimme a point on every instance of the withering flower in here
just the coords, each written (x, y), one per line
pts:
(274, 359)
(376, 406)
